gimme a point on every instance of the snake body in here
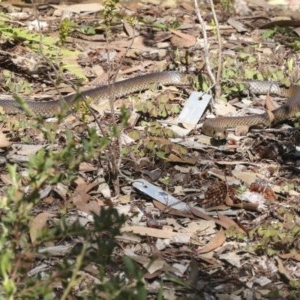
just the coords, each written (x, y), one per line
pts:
(98, 94)
(217, 127)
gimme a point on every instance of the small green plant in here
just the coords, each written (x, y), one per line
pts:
(161, 107)
(233, 233)
(274, 238)
(22, 86)
(48, 44)
(226, 5)
(166, 26)
(110, 12)
(278, 30)
(45, 168)
(166, 180)
(153, 141)
(65, 28)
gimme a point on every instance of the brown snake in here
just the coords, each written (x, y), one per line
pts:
(217, 127)
(98, 94)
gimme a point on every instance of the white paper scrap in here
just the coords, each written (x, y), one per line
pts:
(160, 195)
(194, 108)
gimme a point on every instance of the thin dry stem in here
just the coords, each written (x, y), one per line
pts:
(217, 86)
(114, 162)
(206, 45)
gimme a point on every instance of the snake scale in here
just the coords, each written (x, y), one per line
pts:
(216, 128)
(98, 94)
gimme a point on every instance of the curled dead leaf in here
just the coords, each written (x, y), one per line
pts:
(38, 224)
(271, 117)
(182, 40)
(228, 200)
(270, 104)
(228, 222)
(217, 241)
(4, 142)
(283, 270)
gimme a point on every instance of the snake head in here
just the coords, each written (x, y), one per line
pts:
(210, 129)
(219, 134)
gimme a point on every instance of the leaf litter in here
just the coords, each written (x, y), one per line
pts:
(214, 226)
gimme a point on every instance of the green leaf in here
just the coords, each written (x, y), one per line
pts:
(268, 33)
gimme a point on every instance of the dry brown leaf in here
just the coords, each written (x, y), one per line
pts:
(208, 258)
(82, 186)
(223, 109)
(271, 116)
(154, 266)
(182, 40)
(282, 269)
(232, 258)
(228, 200)
(188, 126)
(87, 167)
(154, 275)
(81, 198)
(217, 241)
(270, 104)
(202, 227)
(141, 66)
(78, 8)
(26, 149)
(124, 198)
(297, 30)
(186, 160)
(181, 238)
(290, 256)
(158, 233)
(230, 223)
(4, 142)
(187, 6)
(132, 5)
(247, 177)
(129, 30)
(297, 257)
(225, 224)
(197, 212)
(162, 4)
(38, 224)
(6, 179)
(230, 180)
(122, 45)
(239, 26)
